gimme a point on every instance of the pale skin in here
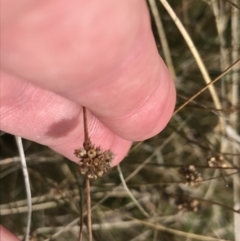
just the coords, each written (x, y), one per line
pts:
(57, 56)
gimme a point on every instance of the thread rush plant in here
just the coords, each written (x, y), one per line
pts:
(94, 162)
(193, 137)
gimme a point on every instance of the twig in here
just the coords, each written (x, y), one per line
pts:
(163, 38)
(88, 202)
(179, 233)
(27, 185)
(130, 194)
(86, 138)
(234, 119)
(88, 195)
(206, 86)
(36, 207)
(85, 124)
(234, 4)
(81, 214)
(197, 57)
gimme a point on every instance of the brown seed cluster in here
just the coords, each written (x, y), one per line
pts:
(93, 161)
(192, 177)
(187, 204)
(216, 161)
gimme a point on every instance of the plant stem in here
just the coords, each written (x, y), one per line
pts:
(81, 214)
(88, 201)
(85, 124)
(88, 196)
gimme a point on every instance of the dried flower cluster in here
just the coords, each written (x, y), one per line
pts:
(93, 161)
(216, 161)
(187, 204)
(192, 177)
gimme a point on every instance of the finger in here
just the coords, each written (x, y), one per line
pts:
(101, 55)
(49, 119)
(6, 235)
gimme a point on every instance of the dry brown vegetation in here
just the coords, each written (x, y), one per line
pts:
(183, 184)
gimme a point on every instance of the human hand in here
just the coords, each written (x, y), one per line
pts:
(58, 56)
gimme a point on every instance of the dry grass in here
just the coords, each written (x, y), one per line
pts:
(148, 198)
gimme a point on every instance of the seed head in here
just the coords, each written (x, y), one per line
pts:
(187, 204)
(93, 161)
(216, 161)
(189, 172)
